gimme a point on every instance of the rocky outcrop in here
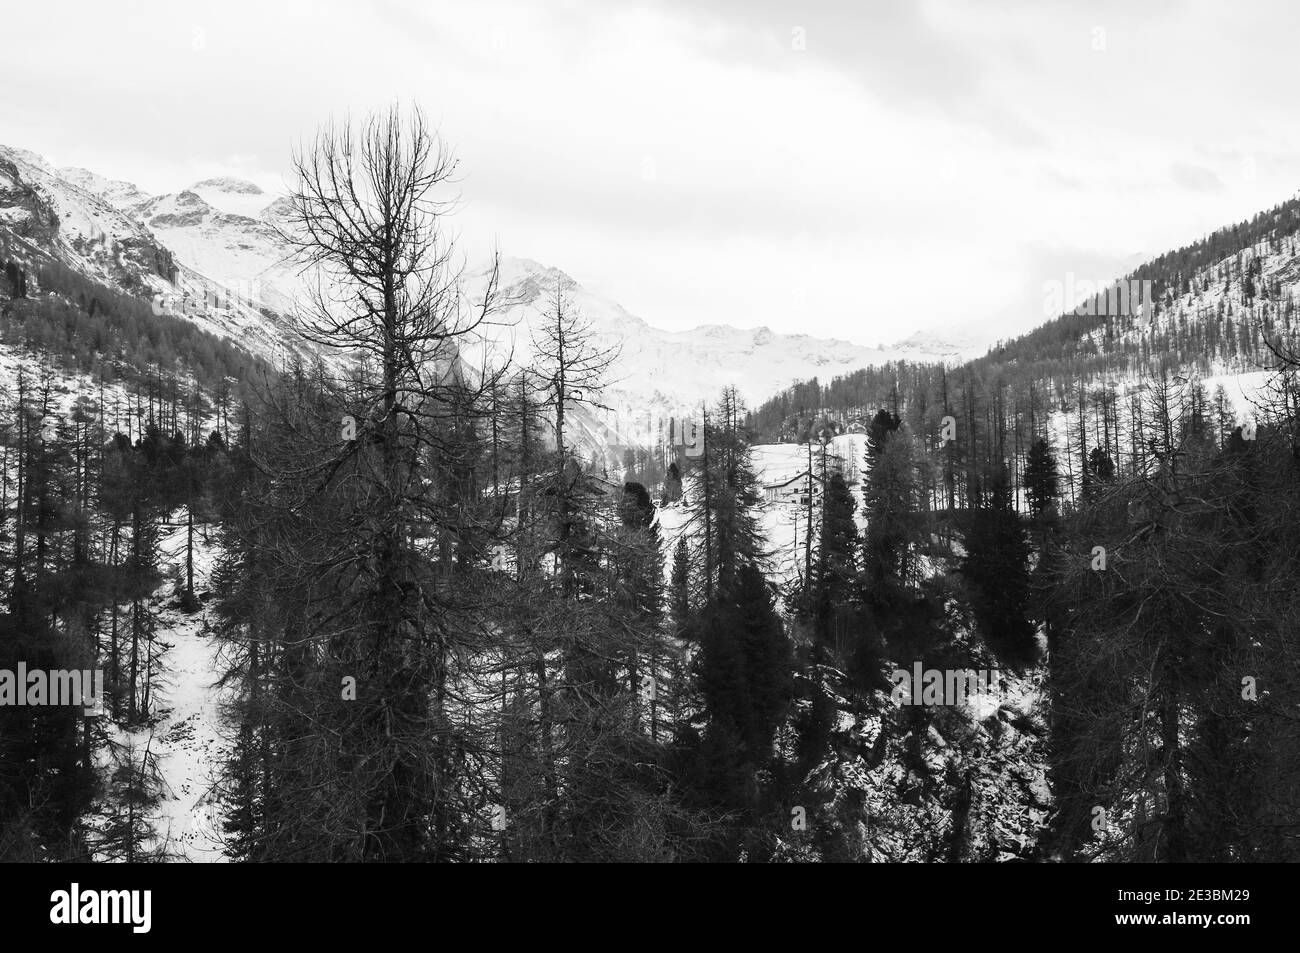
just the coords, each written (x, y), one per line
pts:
(22, 210)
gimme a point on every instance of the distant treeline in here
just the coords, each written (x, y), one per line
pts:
(85, 327)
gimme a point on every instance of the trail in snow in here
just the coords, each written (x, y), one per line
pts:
(187, 737)
(189, 742)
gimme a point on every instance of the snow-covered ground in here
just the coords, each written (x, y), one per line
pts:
(784, 524)
(190, 740)
(1248, 394)
(186, 738)
(186, 735)
(65, 388)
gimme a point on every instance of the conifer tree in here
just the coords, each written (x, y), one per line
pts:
(836, 587)
(889, 494)
(1042, 484)
(996, 568)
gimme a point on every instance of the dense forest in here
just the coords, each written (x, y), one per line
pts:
(450, 637)
(81, 326)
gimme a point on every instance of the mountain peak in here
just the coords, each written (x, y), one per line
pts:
(26, 156)
(114, 191)
(227, 184)
(518, 269)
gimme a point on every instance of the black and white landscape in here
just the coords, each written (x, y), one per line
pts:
(649, 432)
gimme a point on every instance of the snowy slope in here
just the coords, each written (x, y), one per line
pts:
(220, 235)
(1214, 298)
(185, 734)
(106, 230)
(679, 369)
(188, 736)
(784, 524)
(77, 227)
(226, 230)
(883, 809)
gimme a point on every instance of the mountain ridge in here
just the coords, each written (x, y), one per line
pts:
(221, 234)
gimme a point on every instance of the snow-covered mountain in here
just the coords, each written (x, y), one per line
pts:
(56, 216)
(226, 230)
(212, 252)
(176, 251)
(679, 369)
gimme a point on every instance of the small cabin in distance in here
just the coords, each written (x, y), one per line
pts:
(791, 490)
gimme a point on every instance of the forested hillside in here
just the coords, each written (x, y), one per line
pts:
(439, 630)
(1096, 486)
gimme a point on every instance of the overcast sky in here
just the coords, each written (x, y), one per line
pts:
(855, 169)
